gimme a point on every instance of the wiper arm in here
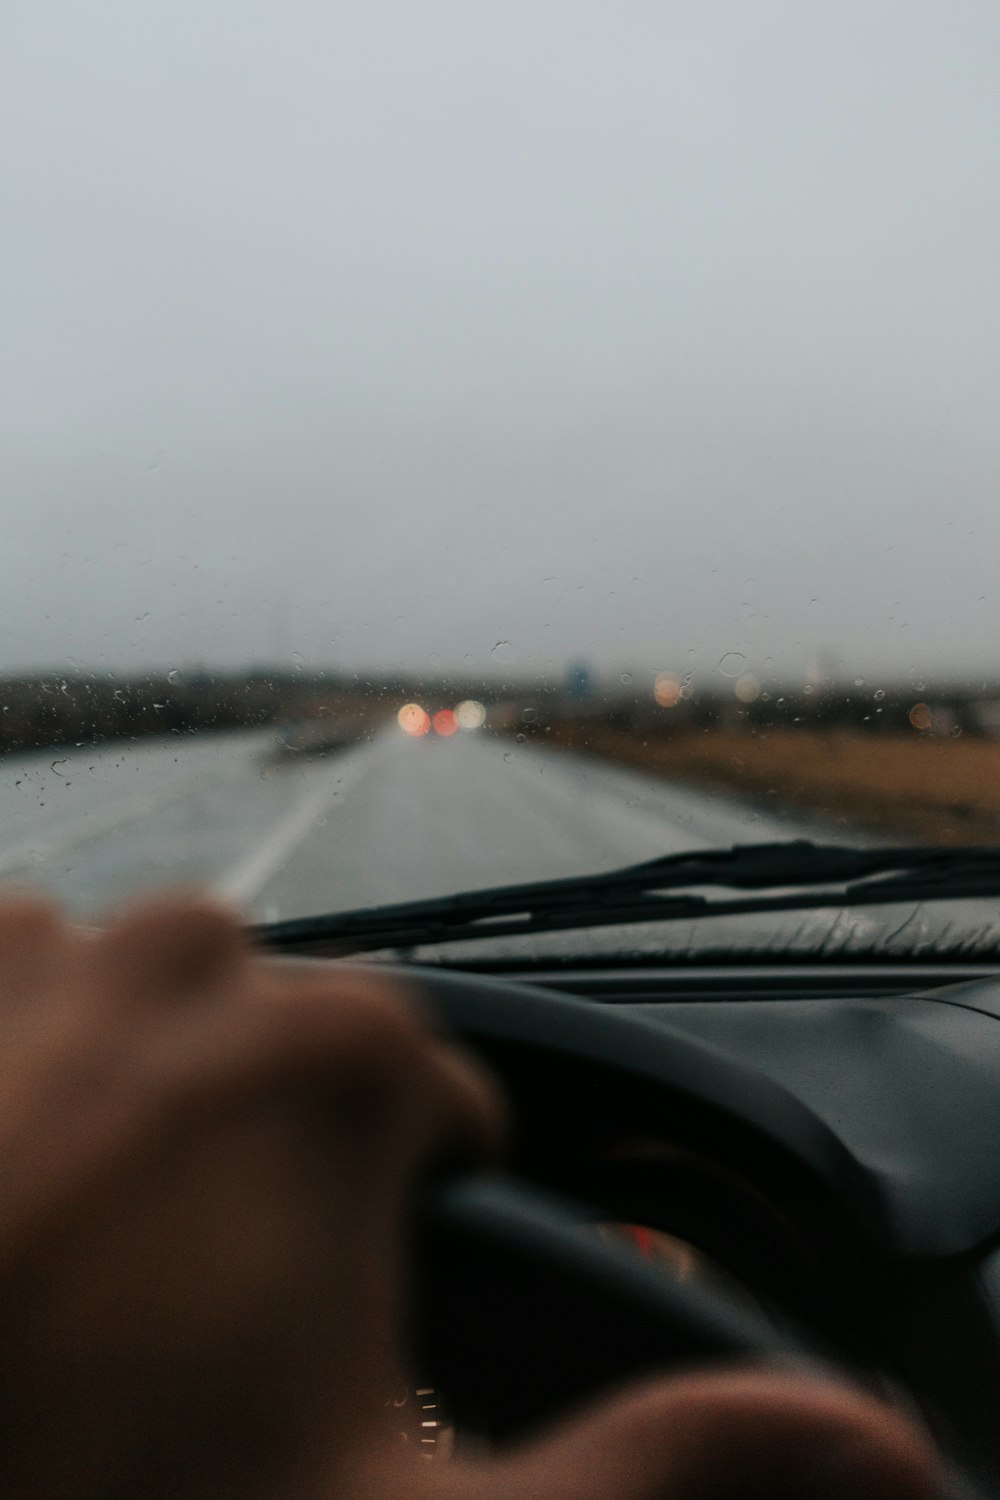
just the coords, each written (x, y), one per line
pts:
(792, 875)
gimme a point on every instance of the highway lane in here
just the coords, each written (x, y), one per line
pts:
(426, 817)
(389, 819)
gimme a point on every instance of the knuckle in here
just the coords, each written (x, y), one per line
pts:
(381, 1039)
(172, 941)
(175, 913)
(470, 1100)
(359, 1033)
(27, 915)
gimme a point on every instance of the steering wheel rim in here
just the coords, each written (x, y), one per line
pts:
(521, 1311)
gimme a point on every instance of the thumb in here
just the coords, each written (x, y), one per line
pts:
(731, 1435)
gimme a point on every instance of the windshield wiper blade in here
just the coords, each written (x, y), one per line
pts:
(792, 875)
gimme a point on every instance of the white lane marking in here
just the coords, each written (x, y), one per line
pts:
(244, 881)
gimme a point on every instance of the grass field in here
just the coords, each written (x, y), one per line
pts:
(911, 786)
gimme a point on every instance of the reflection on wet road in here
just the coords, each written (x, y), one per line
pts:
(390, 819)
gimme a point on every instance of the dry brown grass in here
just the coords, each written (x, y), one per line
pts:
(908, 785)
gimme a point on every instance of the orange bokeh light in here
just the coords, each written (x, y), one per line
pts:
(412, 719)
(445, 722)
(667, 690)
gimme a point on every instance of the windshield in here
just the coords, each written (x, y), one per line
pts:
(451, 445)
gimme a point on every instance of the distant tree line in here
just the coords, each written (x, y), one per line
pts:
(942, 709)
(58, 709)
(55, 708)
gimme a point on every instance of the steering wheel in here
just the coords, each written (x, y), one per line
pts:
(520, 1310)
(524, 1312)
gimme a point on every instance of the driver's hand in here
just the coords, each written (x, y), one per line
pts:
(205, 1162)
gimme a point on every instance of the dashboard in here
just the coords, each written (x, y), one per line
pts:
(828, 1163)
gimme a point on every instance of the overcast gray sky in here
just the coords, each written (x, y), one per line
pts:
(385, 331)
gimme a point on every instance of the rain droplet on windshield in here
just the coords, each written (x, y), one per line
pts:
(733, 664)
(626, 678)
(503, 651)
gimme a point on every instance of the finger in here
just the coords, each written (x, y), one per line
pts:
(460, 1099)
(33, 942)
(376, 1095)
(168, 946)
(466, 1106)
(746, 1435)
(372, 1039)
(358, 1042)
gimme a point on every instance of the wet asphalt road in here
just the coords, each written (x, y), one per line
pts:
(386, 820)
